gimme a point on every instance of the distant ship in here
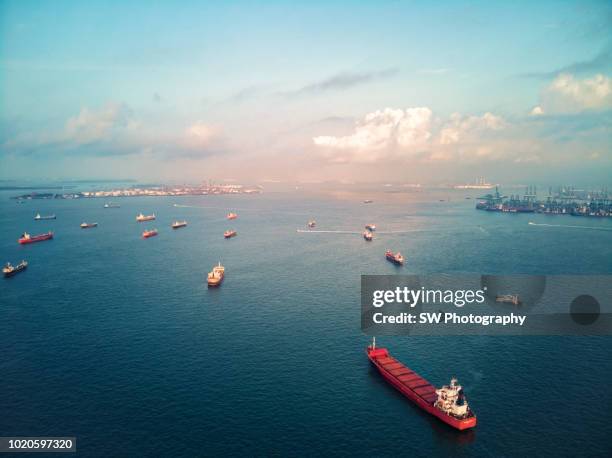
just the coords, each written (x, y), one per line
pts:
(231, 215)
(10, 270)
(140, 218)
(179, 224)
(481, 183)
(215, 277)
(27, 238)
(395, 258)
(151, 233)
(370, 227)
(229, 234)
(312, 223)
(39, 217)
(368, 201)
(447, 403)
(508, 299)
(88, 225)
(111, 205)
(368, 236)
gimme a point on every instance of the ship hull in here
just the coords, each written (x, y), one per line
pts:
(178, 226)
(15, 271)
(414, 387)
(38, 238)
(394, 261)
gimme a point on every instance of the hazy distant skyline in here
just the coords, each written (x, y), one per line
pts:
(310, 91)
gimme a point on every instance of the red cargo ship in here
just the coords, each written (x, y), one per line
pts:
(27, 238)
(447, 403)
(147, 234)
(395, 258)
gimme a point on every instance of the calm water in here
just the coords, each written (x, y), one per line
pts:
(118, 341)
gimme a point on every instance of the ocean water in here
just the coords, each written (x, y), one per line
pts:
(117, 340)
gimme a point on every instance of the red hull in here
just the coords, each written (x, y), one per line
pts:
(36, 238)
(147, 235)
(414, 387)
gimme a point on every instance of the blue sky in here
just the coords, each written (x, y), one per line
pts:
(305, 90)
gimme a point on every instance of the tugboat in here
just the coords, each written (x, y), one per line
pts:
(179, 224)
(10, 270)
(147, 234)
(395, 258)
(27, 238)
(215, 277)
(88, 225)
(229, 234)
(140, 218)
(371, 227)
(312, 223)
(38, 217)
(447, 403)
(111, 205)
(368, 236)
(231, 215)
(508, 299)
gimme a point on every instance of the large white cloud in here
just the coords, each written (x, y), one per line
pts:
(568, 94)
(92, 125)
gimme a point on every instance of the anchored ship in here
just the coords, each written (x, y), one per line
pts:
(27, 238)
(395, 258)
(179, 224)
(88, 225)
(513, 299)
(447, 403)
(140, 218)
(370, 227)
(10, 270)
(38, 217)
(368, 201)
(368, 236)
(312, 223)
(215, 277)
(147, 234)
(229, 234)
(231, 215)
(111, 205)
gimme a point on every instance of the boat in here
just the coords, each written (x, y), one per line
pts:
(231, 215)
(151, 233)
(88, 225)
(229, 234)
(40, 217)
(27, 238)
(111, 205)
(447, 403)
(140, 218)
(395, 258)
(312, 223)
(10, 270)
(215, 277)
(513, 299)
(368, 236)
(370, 227)
(179, 224)
(368, 201)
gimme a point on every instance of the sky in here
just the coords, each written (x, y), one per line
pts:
(401, 91)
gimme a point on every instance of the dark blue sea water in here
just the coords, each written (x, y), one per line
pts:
(117, 340)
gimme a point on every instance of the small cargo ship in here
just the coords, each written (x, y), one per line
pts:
(513, 299)
(140, 218)
(231, 215)
(179, 224)
(40, 217)
(151, 233)
(111, 205)
(215, 277)
(10, 270)
(447, 403)
(27, 238)
(312, 223)
(229, 234)
(368, 201)
(395, 258)
(88, 225)
(370, 227)
(368, 236)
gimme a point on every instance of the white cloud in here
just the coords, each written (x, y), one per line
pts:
(90, 126)
(537, 111)
(567, 94)
(461, 128)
